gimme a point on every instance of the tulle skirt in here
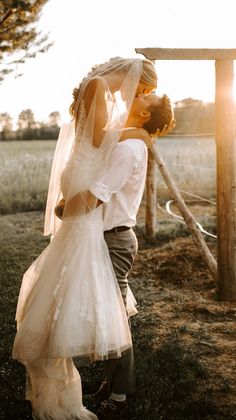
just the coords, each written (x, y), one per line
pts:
(52, 396)
(69, 305)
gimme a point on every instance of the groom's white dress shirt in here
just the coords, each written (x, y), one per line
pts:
(121, 187)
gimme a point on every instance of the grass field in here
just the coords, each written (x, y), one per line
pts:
(191, 162)
(25, 170)
(24, 174)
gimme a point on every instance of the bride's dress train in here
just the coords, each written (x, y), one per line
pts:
(52, 396)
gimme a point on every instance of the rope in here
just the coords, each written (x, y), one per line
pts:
(192, 195)
(181, 218)
(166, 212)
(198, 196)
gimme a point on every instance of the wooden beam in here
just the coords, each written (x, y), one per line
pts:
(226, 180)
(187, 53)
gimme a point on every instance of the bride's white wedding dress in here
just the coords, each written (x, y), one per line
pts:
(69, 305)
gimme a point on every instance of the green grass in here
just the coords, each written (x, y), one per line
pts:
(24, 173)
(170, 378)
(20, 243)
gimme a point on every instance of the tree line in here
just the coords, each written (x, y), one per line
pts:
(28, 128)
(192, 117)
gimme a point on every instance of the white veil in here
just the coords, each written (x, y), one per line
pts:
(100, 109)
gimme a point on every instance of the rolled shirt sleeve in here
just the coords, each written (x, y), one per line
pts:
(121, 164)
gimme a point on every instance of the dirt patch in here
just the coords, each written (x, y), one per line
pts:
(173, 285)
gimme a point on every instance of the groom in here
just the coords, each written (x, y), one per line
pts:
(120, 190)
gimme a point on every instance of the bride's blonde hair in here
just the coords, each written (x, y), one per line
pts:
(148, 76)
(73, 105)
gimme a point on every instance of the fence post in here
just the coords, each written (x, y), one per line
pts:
(226, 180)
(151, 197)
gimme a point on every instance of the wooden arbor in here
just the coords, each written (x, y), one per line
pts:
(225, 152)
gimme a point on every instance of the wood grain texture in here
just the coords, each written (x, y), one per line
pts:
(187, 53)
(226, 180)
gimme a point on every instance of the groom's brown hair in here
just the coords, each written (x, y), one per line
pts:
(161, 115)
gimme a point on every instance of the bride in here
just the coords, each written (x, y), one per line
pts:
(70, 303)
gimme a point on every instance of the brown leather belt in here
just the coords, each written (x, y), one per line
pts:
(117, 229)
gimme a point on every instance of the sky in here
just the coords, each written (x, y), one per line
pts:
(88, 32)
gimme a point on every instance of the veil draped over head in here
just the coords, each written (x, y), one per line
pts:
(100, 110)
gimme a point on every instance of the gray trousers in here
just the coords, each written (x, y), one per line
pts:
(122, 247)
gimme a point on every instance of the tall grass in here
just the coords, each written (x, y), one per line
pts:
(24, 174)
(192, 163)
(25, 169)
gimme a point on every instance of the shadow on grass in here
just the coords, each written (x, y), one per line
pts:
(172, 383)
(170, 380)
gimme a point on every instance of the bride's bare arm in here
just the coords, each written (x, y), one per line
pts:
(94, 100)
(77, 205)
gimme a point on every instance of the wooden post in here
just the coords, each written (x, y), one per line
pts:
(188, 53)
(151, 200)
(151, 195)
(226, 180)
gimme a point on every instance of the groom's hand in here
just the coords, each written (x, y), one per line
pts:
(166, 129)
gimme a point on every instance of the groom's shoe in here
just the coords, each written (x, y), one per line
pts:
(113, 410)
